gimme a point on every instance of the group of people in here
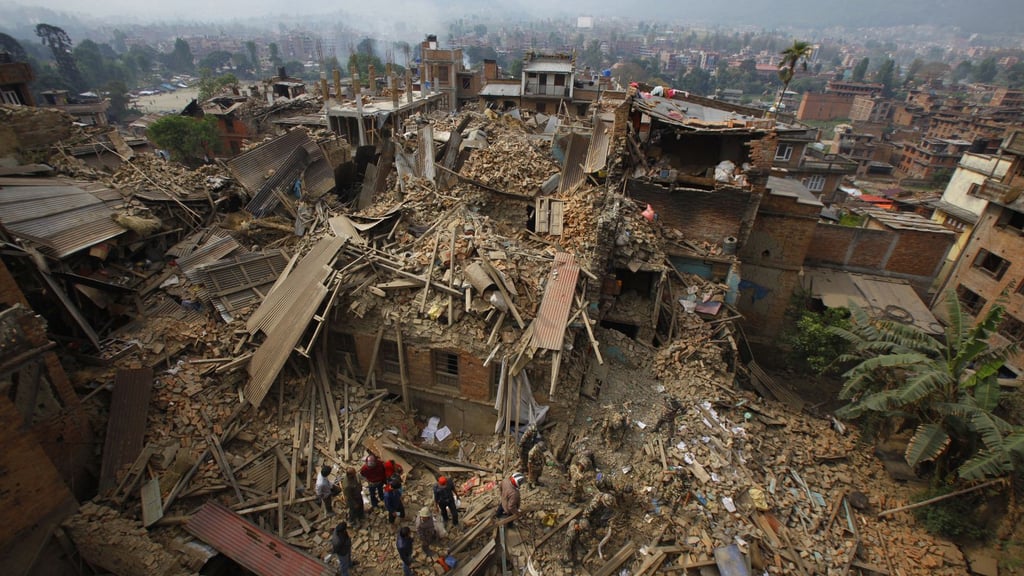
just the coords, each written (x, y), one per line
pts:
(384, 481)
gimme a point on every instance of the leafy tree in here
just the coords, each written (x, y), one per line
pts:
(367, 46)
(13, 47)
(696, 80)
(254, 58)
(797, 54)
(813, 344)
(986, 71)
(141, 59)
(1015, 76)
(962, 71)
(215, 60)
(275, 56)
(210, 86)
(949, 390)
(886, 76)
(117, 92)
(180, 59)
(241, 62)
(362, 62)
(915, 67)
(120, 43)
(60, 46)
(860, 70)
(188, 139)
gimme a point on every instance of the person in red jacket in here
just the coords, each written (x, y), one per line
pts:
(373, 471)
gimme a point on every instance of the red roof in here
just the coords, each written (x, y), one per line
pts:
(255, 549)
(880, 201)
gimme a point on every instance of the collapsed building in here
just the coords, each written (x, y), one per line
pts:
(424, 286)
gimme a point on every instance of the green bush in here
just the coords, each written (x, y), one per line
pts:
(814, 346)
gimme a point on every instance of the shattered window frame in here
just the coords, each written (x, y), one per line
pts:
(970, 300)
(815, 183)
(446, 368)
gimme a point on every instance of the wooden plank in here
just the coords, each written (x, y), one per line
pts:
(406, 403)
(555, 218)
(225, 465)
(501, 288)
(620, 557)
(558, 528)
(430, 272)
(366, 424)
(373, 359)
(152, 507)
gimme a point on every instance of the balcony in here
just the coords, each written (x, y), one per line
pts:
(536, 89)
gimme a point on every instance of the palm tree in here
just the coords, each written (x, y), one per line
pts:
(949, 390)
(796, 55)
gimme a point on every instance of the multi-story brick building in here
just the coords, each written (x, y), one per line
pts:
(991, 268)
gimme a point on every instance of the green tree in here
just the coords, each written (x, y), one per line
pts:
(986, 71)
(915, 67)
(886, 76)
(210, 85)
(796, 55)
(117, 92)
(962, 71)
(812, 342)
(948, 390)
(254, 58)
(188, 139)
(275, 56)
(860, 70)
(60, 46)
(215, 60)
(180, 59)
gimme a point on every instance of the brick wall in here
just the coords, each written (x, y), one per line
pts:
(914, 255)
(781, 233)
(824, 107)
(700, 215)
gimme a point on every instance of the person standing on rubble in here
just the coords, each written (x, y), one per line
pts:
(530, 437)
(509, 499)
(393, 502)
(535, 463)
(341, 545)
(444, 499)
(427, 532)
(404, 544)
(326, 490)
(375, 475)
(353, 490)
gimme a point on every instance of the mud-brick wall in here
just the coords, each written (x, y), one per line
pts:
(28, 128)
(700, 215)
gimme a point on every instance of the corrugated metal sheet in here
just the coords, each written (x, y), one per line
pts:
(553, 314)
(252, 168)
(318, 178)
(597, 154)
(883, 298)
(572, 169)
(59, 217)
(126, 427)
(270, 357)
(280, 183)
(228, 276)
(255, 549)
(313, 268)
(212, 251)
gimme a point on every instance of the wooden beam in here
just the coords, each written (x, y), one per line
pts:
(501, 288)
(373, 359)
(430, 272)
(362, 429)
(401, 369)
(225, 466)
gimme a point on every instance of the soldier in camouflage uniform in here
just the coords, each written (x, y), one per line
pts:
(535, 463)
(600, 507)
(530, 437)
(574, 534)
(613, 429)
(580, 472)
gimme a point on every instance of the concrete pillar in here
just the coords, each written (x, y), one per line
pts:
(337, 84)
(371, 82)
(324, 91)
(408, 86)
(356, 89)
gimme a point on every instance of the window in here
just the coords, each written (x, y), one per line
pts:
(543, 79)
(467, 83)
(559, 79)
(389, 357)
(1012, 219)
(495, 381)
(442, 76)
(446, 369)
(815, 183)
(1020, 287)
(784, 152)
(10, 97)
(581, 109)
(970, 300)
(542, 107)
(991, 264)
(1012, 329)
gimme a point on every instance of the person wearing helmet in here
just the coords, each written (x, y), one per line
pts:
(530, 437)
(574, 535)
(509, 500)
(444, 499)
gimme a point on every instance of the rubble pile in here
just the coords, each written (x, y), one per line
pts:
(105, 538)
(512, 164)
